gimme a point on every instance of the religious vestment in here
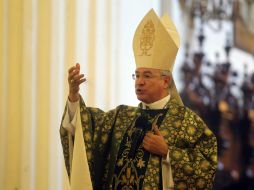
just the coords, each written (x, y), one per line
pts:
(108, 139)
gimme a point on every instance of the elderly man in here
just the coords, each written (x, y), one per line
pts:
(158, 145)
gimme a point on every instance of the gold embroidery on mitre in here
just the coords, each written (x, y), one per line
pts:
(147, 38)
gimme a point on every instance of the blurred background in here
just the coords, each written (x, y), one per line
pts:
(41, 39)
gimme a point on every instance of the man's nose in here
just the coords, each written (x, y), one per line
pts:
(140, 80)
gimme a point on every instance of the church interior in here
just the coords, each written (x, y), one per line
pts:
(41, 39)
(219, 92)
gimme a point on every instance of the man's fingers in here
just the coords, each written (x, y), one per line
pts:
(145, 144)
(77, 81)
(156, 130)
(71, 69)
(78, 77)
(73, 74)
(146, 138)
(74, 71)
(149, 135)
(74, 80)
(148, 144)
(82, 80)
(77, 66)
(149, 138)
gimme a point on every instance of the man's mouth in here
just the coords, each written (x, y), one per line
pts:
(139, 91)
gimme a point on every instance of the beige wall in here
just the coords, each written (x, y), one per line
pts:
(39, 41)
(32, 94)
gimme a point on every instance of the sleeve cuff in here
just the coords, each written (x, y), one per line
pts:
(69, 121)
(72, 107)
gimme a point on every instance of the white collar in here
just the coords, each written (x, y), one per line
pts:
(160, 104)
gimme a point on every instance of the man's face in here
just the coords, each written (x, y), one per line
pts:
(150, 85)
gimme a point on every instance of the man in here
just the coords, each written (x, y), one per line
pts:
(158, 145)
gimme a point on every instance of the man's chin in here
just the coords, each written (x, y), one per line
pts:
(141, 98)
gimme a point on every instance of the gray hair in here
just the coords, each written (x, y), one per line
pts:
(165, 73)
(168, 74)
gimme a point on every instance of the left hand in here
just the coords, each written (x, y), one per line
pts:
(155, 143)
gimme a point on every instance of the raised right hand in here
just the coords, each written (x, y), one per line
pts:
(74, 80)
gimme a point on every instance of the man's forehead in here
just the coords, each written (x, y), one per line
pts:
(146, 70)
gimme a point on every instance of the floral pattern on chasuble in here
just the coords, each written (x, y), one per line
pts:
(192, 147)
(193, 154)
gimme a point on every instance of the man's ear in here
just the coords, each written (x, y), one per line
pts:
(167, 81)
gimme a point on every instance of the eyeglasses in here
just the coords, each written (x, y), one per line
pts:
(145, 76)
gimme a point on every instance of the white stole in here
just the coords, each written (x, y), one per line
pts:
(80, 174)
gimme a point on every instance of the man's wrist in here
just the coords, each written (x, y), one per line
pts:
(73, 98)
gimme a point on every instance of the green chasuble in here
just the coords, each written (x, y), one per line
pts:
(108, 137)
